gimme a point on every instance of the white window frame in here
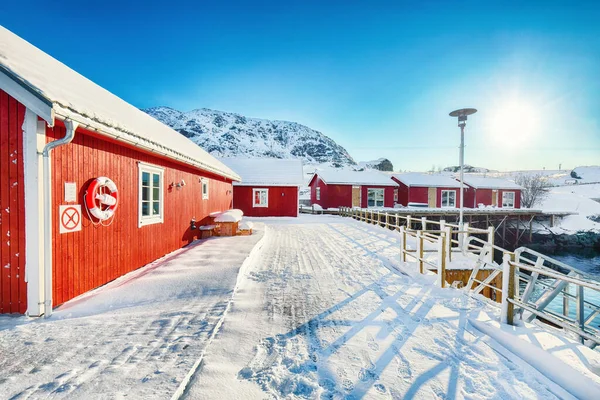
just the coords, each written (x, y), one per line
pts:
(442, 199)
(144, 220)
(254, 191)
(513, 200)
(318, 193)
(382, 197)
(203, 186)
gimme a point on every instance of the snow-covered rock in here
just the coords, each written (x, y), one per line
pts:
(381, 164)
(226, 134)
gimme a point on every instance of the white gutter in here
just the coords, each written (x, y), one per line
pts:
(71, 127)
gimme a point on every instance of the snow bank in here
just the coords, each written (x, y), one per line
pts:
(589, 174)
(576, 198)
(245, 225)
(136, 337)
(229, 216)
(579, 383)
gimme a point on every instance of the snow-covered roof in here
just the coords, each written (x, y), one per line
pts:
(267, 171)
(70, 95)
(481, 182)
(345, 177)
(417, 179)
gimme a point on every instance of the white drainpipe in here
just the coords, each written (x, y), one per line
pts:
(71, 127)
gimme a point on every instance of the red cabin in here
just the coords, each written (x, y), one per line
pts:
(495, 192)
(428, 190)
(341, 188)
(118, 191)
(269, 187)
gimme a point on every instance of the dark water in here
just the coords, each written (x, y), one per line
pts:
(584, 260)
(587, 261)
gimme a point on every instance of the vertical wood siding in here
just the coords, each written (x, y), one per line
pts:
(283, 201)
(484, 196)
(13, 288)
(388, 195)
(98, 254)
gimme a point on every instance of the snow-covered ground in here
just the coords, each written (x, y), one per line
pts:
(136, 337)
(582, 199)
(308, 307)
(328, 311)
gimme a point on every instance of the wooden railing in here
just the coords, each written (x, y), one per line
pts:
(523, 271)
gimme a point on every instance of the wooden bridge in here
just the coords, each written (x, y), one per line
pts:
(526, 281)
(512, 227)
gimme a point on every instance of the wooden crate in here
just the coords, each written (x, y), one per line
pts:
(228, 228)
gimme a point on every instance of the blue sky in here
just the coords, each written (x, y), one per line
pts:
(378, 77)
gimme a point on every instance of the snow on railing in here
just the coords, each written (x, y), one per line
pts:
(529, 286)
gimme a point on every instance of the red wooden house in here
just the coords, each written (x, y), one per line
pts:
(342, 188)
(488, 191)
(428, 190)
(269, 186)
(91, 187)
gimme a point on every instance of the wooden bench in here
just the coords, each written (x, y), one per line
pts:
(207, 231)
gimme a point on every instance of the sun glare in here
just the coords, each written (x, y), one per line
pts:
(514, 123)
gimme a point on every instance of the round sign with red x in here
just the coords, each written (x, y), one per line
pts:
(70, 218)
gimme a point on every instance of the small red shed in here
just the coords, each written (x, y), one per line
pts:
(342, 188)
(91, 187)
(430, 190)
(483, 191)
(269, 186)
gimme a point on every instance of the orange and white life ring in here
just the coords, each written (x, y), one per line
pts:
(99, 203)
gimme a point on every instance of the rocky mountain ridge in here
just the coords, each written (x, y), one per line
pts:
(225, 134)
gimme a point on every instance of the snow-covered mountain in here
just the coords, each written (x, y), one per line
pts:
(226, 134)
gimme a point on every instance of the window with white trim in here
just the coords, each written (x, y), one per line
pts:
(260, 197)
(375, 197)
(508, 199)
(318, 190)
(204, 183)
(448, 198)
(151, 207)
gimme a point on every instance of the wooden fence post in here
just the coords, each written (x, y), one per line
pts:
(465, 237)
(408, 222)
(442, 259)
(424, 223)
(508, 290)
(403, 244)
(491, 242)
(448, 230)
(420, 251)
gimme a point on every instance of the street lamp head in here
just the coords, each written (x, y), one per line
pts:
(462, 115)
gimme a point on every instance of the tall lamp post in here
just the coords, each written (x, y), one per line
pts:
(462, 121)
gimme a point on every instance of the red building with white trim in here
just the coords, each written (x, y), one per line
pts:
(488, 191)
(428, 190)
(269, 186)
(341, 188)
(52, 248)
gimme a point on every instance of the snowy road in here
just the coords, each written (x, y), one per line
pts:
(136, 337)
(324, 312)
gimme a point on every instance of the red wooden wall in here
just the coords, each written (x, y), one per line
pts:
(13, 288)
(418, 195)
(283, 201)
(98, 254)
(484, 196)
(388, 195)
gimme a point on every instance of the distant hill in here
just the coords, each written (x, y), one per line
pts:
(381, 164)
(466, 168)
(226, 134)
